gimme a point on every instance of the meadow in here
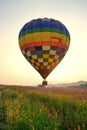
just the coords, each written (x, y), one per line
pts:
(42, 108)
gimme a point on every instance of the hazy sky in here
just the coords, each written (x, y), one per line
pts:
(14, 68)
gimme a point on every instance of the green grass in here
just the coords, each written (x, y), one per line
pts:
(42, 109)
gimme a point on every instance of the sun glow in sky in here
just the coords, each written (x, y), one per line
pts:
(14, 68)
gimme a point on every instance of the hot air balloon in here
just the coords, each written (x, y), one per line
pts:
(44, 42)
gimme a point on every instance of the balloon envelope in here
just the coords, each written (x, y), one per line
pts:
(44, 43)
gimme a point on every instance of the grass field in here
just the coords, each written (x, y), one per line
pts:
(30, 108)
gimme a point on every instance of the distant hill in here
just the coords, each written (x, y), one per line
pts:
(82, 86)
(79, 84)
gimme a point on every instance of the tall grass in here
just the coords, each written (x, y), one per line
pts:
(44, 108)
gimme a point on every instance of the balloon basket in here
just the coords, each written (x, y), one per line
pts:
(44, 83)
